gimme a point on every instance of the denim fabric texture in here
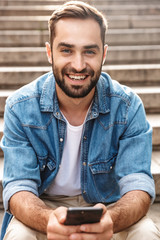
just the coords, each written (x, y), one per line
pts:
(116, 142)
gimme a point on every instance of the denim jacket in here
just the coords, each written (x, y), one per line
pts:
(116, 142)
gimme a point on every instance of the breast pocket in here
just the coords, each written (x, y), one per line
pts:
(47, 165)
(103, 175)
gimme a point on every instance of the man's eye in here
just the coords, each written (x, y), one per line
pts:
(66, 51)
(90, 52)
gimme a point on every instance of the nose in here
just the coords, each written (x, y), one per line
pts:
(78, 62)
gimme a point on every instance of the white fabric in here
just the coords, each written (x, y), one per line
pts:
(67, 181)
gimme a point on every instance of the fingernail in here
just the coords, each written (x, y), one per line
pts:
(83, 228)
(72, 237)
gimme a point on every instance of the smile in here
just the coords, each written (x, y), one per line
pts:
(77, 77)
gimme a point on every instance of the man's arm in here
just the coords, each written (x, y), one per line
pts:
(129, 209)
(30, 210)
(34, 213)
(124, 213)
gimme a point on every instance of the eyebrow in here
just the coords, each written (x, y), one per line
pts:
(92, 46)
(63, 44)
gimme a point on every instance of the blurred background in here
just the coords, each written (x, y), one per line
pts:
(133, 57)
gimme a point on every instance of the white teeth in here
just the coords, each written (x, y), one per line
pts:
(75, 77)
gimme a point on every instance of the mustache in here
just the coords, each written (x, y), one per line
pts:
(87, 71)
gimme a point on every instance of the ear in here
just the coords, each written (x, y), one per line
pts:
(105, 53)
(48, 51)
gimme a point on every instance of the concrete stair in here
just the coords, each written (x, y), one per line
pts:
(133, 56)
(57, 2)
(115, 37)
(115, 22)
(131, 75)
(118, 9)
(21, 56)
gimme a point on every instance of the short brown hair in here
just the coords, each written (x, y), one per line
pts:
(78, 10)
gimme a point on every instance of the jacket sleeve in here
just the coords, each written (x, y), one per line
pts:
(21, 170)
(133, 167)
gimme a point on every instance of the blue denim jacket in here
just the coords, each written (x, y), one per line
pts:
(116, 143)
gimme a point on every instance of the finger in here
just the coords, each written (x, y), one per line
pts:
(104, 225)
(85, 236)
(55, 227)
(61, 214)
(100, 205)
(52, 236)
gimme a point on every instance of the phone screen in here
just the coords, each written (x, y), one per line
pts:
(77, 216)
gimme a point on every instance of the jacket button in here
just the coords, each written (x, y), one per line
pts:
(61, 139)
(84, 137)
(84, 163)
(84, 192)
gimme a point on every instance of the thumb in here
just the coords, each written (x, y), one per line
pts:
(61, 214)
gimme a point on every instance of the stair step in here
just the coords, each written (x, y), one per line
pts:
(57, 2)
(3, 96)
(120, 37)
(30, 2)
(154, 120)
(131, 75)
(149, 95)
(133, 36)
(128, 21)
(143, 9)
(24, 22)
(25, 56)
(23, 38)
(15, 77)
(134, 74)
(123, 2)
(41, 22)
(15, 56)
(133, 54)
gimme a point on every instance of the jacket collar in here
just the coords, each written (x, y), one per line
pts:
(101, 101)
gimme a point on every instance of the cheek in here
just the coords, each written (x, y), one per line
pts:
(60, 63)
(95, 63)
(96, 67)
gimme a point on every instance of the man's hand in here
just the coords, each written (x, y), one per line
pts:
(56, 228)
(102, 230)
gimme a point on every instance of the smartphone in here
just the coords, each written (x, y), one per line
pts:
(82, 215)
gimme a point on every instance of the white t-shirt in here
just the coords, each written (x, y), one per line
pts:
(67, 181)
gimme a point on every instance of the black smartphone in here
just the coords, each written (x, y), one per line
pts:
(82, 215)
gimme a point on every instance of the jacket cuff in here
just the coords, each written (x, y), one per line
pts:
(137, 181)
(18, 186)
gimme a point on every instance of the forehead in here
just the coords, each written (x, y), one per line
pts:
(78, 31)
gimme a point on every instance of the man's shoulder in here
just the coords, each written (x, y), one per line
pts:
(116, 90)
(30, 91)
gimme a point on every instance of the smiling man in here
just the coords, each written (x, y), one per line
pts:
(75, 137)
(78, 59)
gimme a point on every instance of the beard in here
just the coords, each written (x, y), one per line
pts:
(76, 91)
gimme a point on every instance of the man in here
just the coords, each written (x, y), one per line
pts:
(76, 138)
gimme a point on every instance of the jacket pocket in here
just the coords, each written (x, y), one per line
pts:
(104, 178)
(46, 162)
(103, 166)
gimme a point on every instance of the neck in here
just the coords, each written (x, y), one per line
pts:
(74, 109)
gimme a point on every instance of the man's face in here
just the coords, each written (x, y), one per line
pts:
(77, 56)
